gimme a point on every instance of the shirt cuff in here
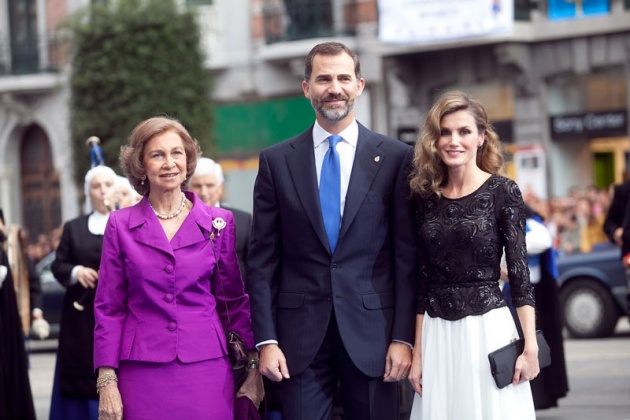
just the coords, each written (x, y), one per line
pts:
(404, 342)
(73, 275)
(264, 343)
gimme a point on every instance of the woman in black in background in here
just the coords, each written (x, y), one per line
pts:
(16, 399)
(76, 267)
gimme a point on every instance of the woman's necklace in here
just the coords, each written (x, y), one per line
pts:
(173, 215)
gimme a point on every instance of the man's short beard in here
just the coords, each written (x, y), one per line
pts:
(333, 115)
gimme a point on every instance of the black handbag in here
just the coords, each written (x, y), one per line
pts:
(503, 360)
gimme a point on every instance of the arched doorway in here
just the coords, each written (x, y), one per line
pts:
(40, 184)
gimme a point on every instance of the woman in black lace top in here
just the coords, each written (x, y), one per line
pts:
(468, 215)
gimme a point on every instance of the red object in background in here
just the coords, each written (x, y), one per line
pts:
(626, 260)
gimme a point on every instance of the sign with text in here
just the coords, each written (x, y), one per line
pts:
(591, 124)
(424, 21)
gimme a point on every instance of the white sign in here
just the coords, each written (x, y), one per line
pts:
(531, 171)
(423, 21)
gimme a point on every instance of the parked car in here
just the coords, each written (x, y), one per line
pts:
(52, 294)
(593, 291)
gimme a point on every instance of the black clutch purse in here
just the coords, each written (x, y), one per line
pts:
(503, 360)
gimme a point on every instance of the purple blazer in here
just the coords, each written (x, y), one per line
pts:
(157, 301)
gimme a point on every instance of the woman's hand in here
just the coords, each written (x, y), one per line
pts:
(110, 404)
(87, 277)
(252, 388)
(415, 373)
(527, 367)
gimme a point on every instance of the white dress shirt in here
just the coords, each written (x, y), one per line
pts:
(346, 149)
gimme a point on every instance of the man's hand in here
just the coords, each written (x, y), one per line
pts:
(273, 363)
(397, 362)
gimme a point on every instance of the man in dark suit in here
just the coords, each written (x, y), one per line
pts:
(334, 302)
(207, 182)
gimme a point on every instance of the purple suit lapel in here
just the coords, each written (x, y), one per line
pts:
(147, 230)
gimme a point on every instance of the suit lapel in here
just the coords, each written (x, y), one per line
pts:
(194, 227)
(367, 161)
(301, 165)
(148, 231)
(146, 228)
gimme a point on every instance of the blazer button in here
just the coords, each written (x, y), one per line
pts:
(172, 326)
(168, 268)
(333, 266)
(330, 298)
(168, 297)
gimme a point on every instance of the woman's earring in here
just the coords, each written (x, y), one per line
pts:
(143, 178)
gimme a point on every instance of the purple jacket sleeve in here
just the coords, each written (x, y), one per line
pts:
(110, 309)
(227, 285)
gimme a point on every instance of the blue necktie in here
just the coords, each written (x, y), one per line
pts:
(330, 192)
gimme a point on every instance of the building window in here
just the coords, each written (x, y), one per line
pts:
(289, 20)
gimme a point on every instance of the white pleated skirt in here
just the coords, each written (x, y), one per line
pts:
(456, 380)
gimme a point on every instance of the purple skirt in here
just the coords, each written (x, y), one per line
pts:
(177, 390)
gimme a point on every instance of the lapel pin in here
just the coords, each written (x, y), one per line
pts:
(377, 159)
(219, 224)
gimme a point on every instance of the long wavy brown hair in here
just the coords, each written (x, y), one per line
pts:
(429, 173)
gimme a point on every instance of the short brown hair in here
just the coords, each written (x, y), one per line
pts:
(132, 153)
(330, 48)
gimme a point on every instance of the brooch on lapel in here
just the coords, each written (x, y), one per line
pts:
(219, 224)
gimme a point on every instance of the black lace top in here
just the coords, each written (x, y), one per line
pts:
(461, 243)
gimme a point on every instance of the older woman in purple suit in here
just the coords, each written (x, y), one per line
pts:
(169, 287)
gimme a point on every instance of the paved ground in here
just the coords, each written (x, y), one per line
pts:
(599, 376)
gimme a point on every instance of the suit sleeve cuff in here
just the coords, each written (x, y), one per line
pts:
(264, 343)
(404, 342)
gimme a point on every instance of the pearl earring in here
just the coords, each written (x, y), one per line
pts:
(143, 178)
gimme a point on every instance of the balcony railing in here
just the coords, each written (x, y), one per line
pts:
(33, 55)
(290, 20)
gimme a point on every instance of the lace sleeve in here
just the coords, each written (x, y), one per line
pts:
(512, 233)
(423, 278)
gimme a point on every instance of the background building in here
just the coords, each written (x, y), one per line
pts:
(553, 75)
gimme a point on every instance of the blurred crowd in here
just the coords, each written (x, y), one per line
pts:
(37, 248)
(576, 220)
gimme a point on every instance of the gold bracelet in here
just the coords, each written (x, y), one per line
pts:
(106, 377)
(104, 380)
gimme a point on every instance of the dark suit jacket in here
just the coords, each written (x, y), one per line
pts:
(295, 283)
(243, 223)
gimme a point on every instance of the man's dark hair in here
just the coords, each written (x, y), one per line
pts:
(330, 48)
